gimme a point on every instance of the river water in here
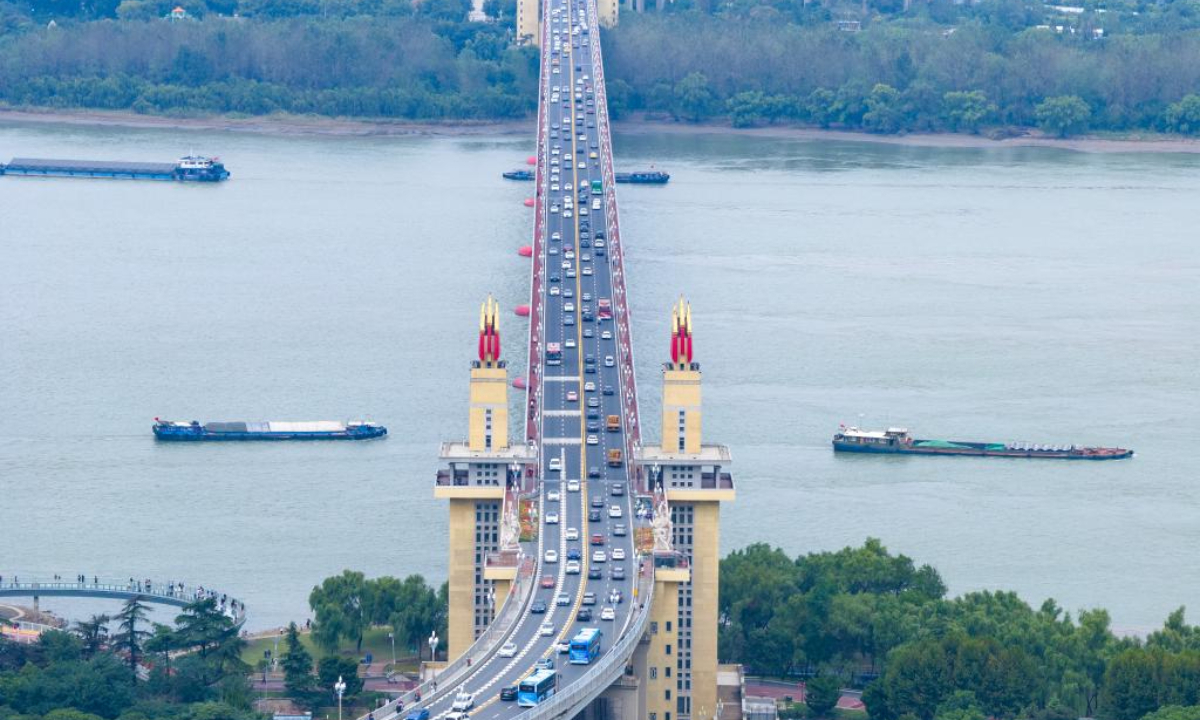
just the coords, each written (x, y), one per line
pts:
(991, 294)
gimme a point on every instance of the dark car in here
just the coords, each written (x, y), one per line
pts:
(593, 413)
(618, 572)
(585, 615)
(597, 501)
(593, 471)
(555, 278)
(594, 573)
(594, 516)
(594, 426)
(608, 390)
(538, 607)
(508, 693)
(619, 529)
(574, 554)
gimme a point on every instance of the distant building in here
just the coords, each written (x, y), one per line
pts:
(178, 14)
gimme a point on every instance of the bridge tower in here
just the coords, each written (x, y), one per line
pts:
(529, 22)
(474, 478)
(695, 480)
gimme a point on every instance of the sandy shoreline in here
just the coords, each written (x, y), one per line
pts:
(313, 125)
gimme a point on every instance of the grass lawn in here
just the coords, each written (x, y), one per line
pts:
(375, 641)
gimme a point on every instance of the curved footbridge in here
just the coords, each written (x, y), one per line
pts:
(175, 594)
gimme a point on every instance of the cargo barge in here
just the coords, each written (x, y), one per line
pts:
(519, 175)
(645, 177)
(191, 168)
(223, 431)
(897, 441)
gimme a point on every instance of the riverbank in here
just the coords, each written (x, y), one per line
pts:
(325, 126)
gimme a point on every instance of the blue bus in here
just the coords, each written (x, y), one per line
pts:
(537, 687)
(585, 646)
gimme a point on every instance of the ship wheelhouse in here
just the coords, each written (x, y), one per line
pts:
(890, 438)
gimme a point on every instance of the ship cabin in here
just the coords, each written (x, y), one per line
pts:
(892, 437)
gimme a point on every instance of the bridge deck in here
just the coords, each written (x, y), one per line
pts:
(577, 262)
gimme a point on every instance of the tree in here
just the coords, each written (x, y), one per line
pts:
(1063, 115)
(342, 605)
(297, 663)
(884, 113)
(821, 694)
(693, 97)
(1184, 116)
(747, 109)
(1174, 712)
(415, 612)
(962, 705)
(93, 632)
(1131, 685)
(331, 667)
(131, 632)
(966, 111)
(214, 668)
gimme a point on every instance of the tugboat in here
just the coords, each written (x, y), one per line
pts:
(644, 177)
(519, 175)
(897, 441)
(223, 431)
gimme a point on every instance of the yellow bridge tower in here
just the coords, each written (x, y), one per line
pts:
(694, 478)
(474, 478)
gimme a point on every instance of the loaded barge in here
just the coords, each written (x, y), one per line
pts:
(218, 431)
(644, 177)
(191, 168)
(897, 441)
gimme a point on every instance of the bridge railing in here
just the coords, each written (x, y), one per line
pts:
(534, 391)
(451, 676)
(616, 251)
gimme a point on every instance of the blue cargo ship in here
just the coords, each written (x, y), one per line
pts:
(190, 168)
(644, 177)
(223, 431)
(897, 441)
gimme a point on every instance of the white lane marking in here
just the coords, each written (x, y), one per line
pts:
(561, 413)
(561, 441)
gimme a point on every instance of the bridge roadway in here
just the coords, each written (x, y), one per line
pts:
(572, 272)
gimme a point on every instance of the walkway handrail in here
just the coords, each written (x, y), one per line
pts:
(605, 671)
(178, 594)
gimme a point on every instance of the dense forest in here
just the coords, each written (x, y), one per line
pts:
(886, 66)
(870, 619)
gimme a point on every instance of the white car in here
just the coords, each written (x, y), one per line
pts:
(556, 236)
(554, 188)
(570, 306)
(618, 553)
(554, 208)
(587, 270)
(546, 628)
(606, 335)
(595, 203)
(589, 386)
(551, 519)
(463, 701)
(508, 649)
(570, 343)
(572, 567)
(599, 556)
(554, 291)
(555, 464)
(593, 440)
(572, 486)
(568, 187)
(551, 555)
(569, 254)
(552, 496)
(563, 647)
(608, 361)
(608, 614)
(573, 533)
(614, 511)
(562, 599)
(568, 214)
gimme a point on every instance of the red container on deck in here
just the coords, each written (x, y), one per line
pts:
(522, 310)
(528, 202)
(525, 251)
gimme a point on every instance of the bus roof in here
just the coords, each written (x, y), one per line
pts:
(586, 635)
(539, 675)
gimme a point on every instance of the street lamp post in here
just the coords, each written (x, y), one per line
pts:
(433, 643)
(392, 637)
(340, 688)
